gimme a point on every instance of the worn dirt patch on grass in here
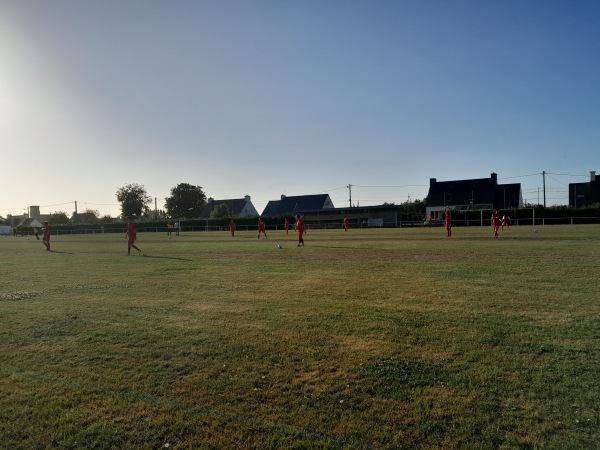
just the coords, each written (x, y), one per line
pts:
(19, 295)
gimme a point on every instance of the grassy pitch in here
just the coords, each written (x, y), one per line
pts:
(367, 339)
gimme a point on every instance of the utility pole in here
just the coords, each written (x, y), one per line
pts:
(544, 182)
(350, 193)
(155, 211)
(75, 207)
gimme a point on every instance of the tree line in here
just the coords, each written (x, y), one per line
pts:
(185, 202)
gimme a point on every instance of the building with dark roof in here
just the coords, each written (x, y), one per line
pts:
(30, 222)
(475, 194)
(238, 207)
(297, 204)
(584, 194)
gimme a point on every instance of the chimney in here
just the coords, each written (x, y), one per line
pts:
(432, 181)
(34, 212)
(593, 175)
(282, 196)
(494, 178)
(247, 198)
(210, 199)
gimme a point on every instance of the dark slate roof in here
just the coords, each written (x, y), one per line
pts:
(29, 222)
(235, 207)
(481, 191)
(296, 204)
(584, 194)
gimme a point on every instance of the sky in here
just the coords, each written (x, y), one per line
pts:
(272, 97)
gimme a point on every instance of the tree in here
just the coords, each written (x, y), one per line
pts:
(160, 214)
(93, 212)
(58, 218)
(415, 209)
(185, 201)
(220, 212)
(134, 200)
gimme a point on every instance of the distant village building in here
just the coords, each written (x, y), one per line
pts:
(31, 219)
(296, 204)
(30, 222)
(475, 194)
(240, 207)
(584, 194)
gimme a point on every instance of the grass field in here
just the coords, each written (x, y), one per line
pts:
(393, 338)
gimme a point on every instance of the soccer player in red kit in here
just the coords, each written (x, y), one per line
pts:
(286, 225)
(232, 228)
(46, 237)
(448, 221)
(345, 224)
(300, 230)
(495, 222)
(131, 235)
(261, 227)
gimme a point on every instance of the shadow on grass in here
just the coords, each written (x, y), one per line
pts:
(62, 253)
(168, 257)
(333, 246)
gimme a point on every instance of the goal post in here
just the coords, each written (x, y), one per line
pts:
(483, 216)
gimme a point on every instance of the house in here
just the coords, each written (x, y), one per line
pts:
(297, 204)
(30, 222)
(584, 194)
(476, 194)
(14, 221)
(240, 207)
(33, 219)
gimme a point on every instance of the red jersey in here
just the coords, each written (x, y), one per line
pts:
(132, 231)
(46, 233)
(495, 220)
(261, 225)
(300, 226)
(286, 224)
(448, 221)
(231, 226)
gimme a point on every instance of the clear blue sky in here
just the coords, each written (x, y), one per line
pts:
(301, 97)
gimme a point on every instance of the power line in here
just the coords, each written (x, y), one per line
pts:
(392, 186)
(57, 204)
(540, 173)
(100, 204)
(521, 176)
(566, 175)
